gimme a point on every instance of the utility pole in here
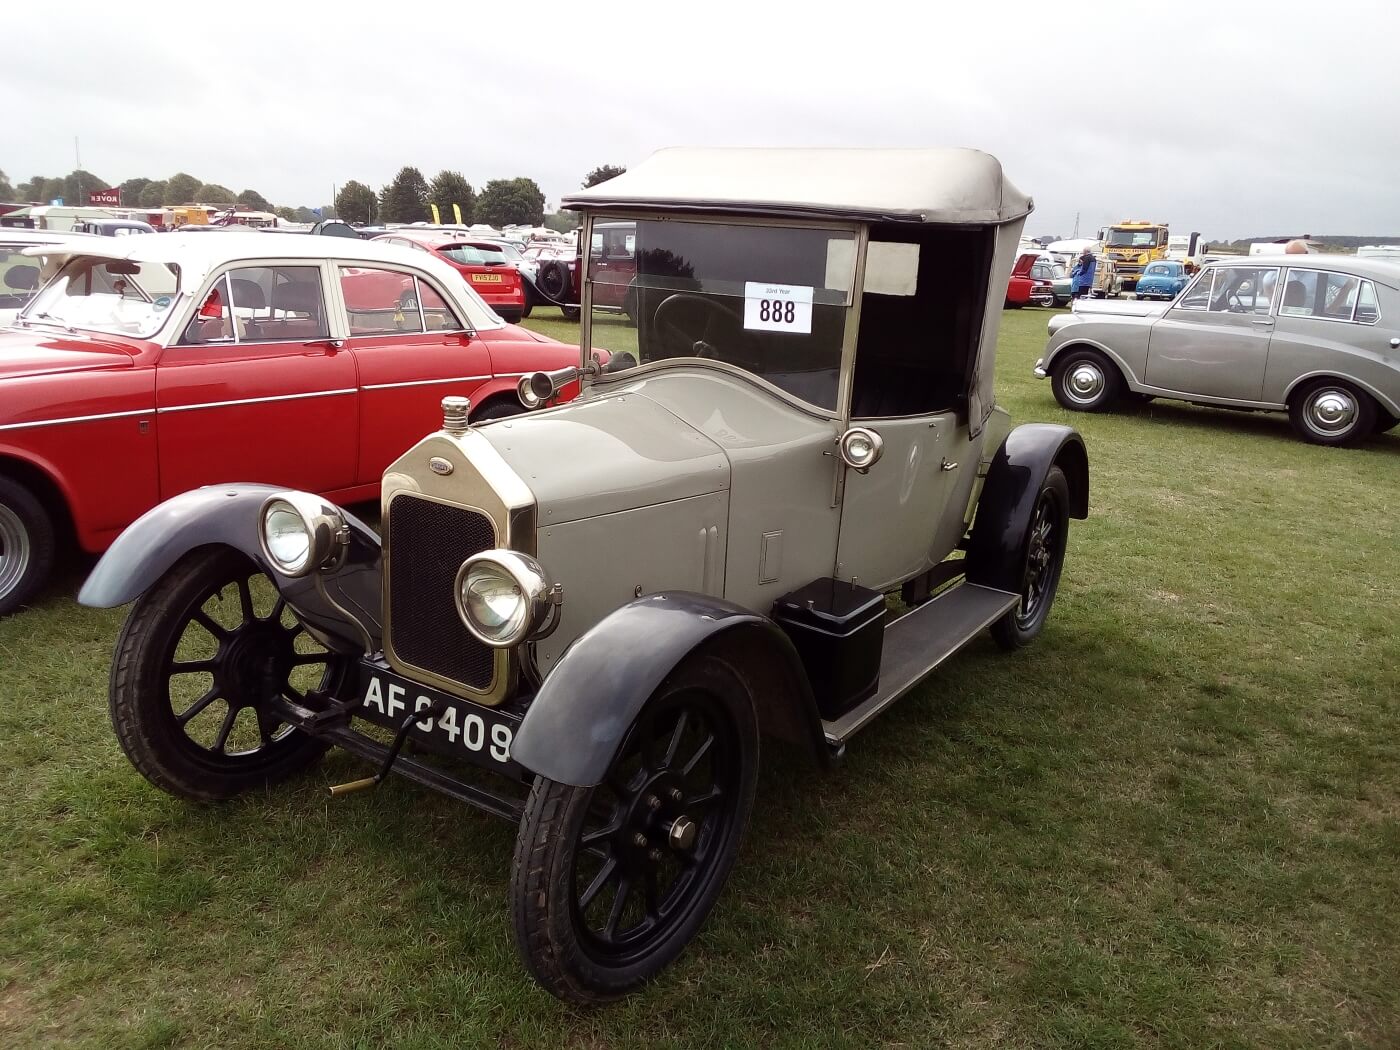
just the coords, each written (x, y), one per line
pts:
(1075, 235)
(78, 159)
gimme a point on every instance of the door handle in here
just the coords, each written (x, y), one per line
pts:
(1267, 322)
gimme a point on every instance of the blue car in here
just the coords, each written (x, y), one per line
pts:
(1162, 280)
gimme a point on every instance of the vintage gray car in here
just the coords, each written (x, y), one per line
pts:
(1317, 337)
(605, 603)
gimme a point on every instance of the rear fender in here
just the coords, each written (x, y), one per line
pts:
(340, 606)
(578, 720)
(996, 551)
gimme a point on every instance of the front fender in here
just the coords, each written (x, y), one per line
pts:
(342, 605)
(577, 721)
(996, 550)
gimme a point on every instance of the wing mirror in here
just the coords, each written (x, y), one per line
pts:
(861, 448)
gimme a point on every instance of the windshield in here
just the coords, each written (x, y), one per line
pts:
(108, 295)
(1132, 238)
(466, 254)
(1161, 270)
(770, 300)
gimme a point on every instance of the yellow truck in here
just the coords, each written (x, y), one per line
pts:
(1132, 244)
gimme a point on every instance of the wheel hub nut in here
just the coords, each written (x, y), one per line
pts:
(639, 840)
(682, 833)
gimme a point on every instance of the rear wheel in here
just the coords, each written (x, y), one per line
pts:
(26, 545)
(193, 666)
(611, 882)
(1086, 381)
(1332, 412)
(1043, 558)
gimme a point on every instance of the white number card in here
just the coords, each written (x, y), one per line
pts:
(777, 307)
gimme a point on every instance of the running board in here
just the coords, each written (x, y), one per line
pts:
(918, 642)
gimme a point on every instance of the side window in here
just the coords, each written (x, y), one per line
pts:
(1242, 290)
(1333, 296)
(212, 322)
(438, 314)
(1197, 296)
(1368, 311)
(380, 302)
(277, 304)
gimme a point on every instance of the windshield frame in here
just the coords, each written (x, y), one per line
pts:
(860, 233)
(26, 315)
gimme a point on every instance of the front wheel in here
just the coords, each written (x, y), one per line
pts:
(610, 883)
(1332, 412)
(1085, 381)
(194, 664)
(1044, 557)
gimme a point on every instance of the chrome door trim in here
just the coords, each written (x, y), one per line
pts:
(76, 419)
(423, 382)
(257, 400)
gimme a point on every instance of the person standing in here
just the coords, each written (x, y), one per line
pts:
(1081, 278)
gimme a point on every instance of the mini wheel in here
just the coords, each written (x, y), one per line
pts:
(26, 544)
(1041, 563)
(1086, 381)
(193, 665)
(1332, 412)
(611, 882)
(498, 409)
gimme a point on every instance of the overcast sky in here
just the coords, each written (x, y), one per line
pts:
(1231, 119)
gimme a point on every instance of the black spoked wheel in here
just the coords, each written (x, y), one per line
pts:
(194, 665)
(611, 882)
(1044, 558)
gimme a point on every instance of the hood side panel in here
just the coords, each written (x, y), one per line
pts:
(602, 455)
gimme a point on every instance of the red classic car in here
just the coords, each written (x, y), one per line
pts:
(151, 365)
(1029, 284)
(487, 274)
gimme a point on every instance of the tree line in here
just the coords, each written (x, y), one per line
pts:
(407, 198)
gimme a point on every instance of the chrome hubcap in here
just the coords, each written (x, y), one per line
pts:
(1084, 382)
(1331, 411)
(14, 550)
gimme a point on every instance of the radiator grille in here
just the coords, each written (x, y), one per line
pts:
(428, 542)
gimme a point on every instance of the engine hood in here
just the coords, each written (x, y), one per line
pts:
(607, 454)
(31, 353)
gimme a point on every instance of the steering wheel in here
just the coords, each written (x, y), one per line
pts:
(672, 333)
(1234, 304)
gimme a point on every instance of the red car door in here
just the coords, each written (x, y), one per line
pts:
(255, 389)
(412, 350)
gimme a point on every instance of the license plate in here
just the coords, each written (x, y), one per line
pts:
(486, 278)
(480, 735)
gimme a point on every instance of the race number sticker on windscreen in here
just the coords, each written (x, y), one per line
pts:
(778, 307)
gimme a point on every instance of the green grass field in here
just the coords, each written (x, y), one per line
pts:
(1172, 822)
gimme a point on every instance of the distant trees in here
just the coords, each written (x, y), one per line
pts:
(405, 199)
(152, 194)
(132, 190)
(213, 193)
(602, 173)
(449, 188)
(355, 202)
(507, 201)
(252, 200)
(181, 188)
(7, 192)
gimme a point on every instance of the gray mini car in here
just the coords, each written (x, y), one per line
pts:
(1315, 336)
(582, 619)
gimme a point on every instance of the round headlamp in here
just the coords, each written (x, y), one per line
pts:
(503, 597)
(861, 447)
(299, 533)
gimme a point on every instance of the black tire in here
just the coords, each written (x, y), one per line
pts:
(554, 281)
(576, 843)
(571, 313)
(510, 315)
(529, 307)
(1043, 557)
(1086, 381)
(1332, 412)
(169, 748)
(27, 545)
(629, 306)
(500, 408)
(1385, 422)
